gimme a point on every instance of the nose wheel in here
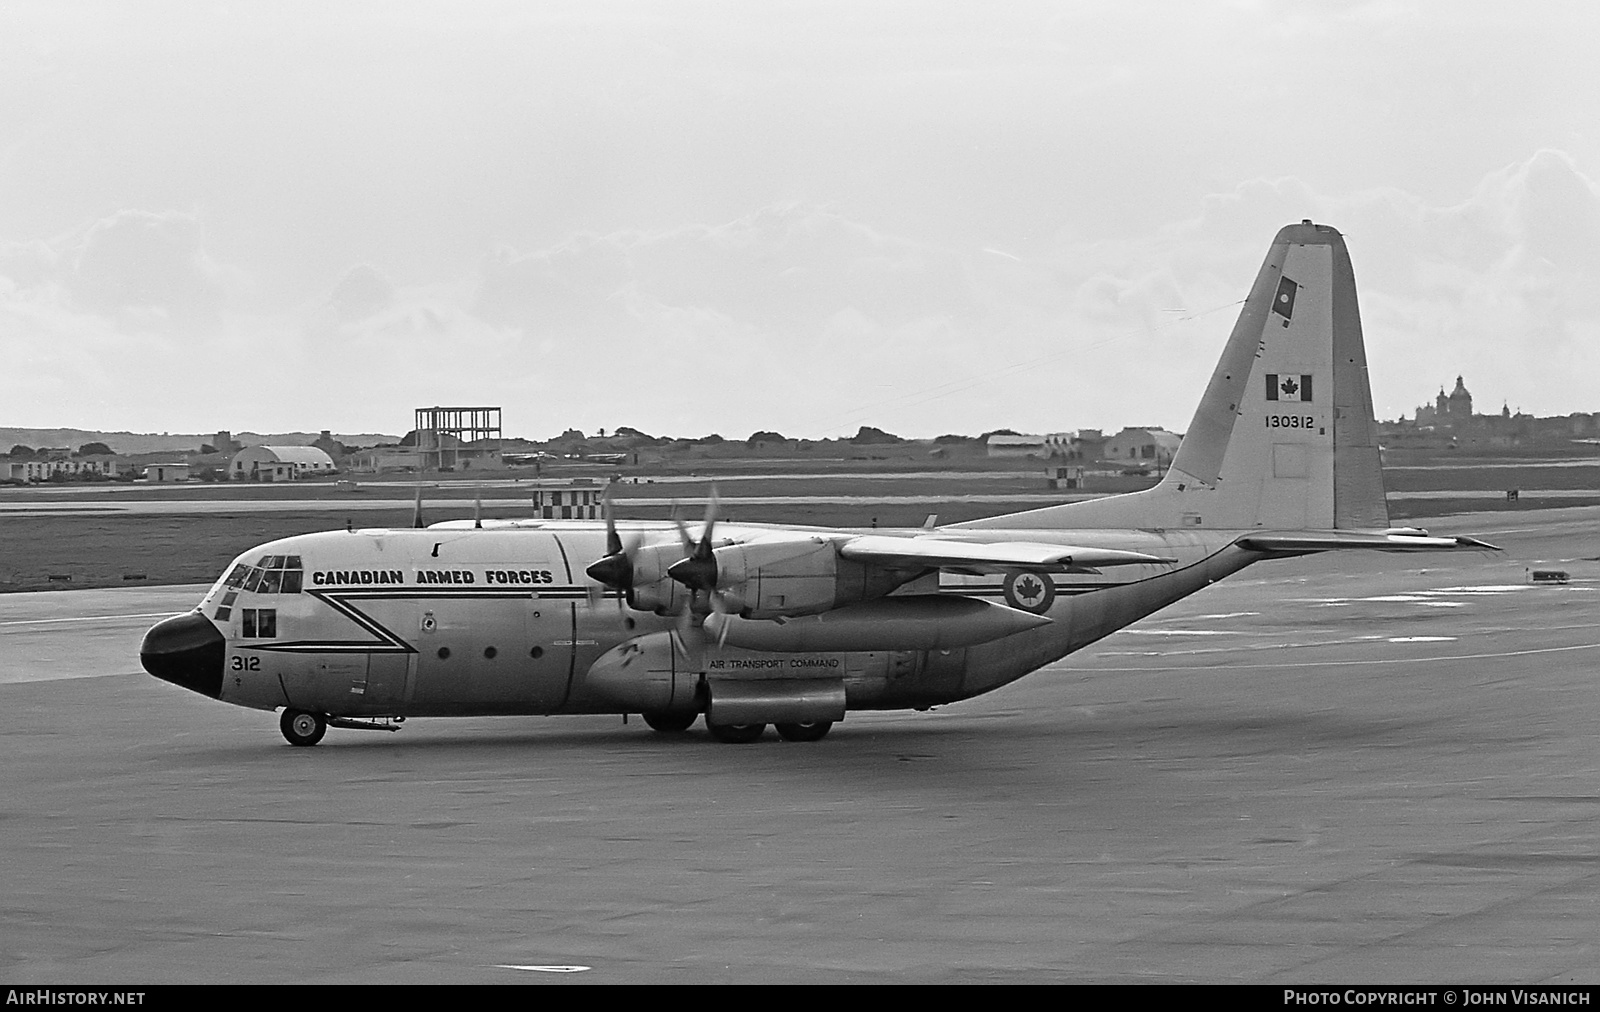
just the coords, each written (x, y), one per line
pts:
(302, 727)
(669, 723)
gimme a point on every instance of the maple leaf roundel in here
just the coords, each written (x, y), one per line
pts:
(1033, 592)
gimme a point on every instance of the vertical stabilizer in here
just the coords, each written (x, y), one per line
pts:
(1284, 436)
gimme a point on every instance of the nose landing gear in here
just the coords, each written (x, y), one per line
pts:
(669, 723)
(301, 727)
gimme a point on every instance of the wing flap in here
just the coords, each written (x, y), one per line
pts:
(988, 557)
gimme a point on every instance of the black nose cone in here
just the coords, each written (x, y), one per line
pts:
(185, 650)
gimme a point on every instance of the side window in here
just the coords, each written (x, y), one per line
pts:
(258, 623)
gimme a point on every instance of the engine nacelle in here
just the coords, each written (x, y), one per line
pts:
(911, 622)
(653, 590)
(788, 575)
(644, 674)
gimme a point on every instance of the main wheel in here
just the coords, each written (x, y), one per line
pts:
(301, 727)
(814, 730)
(669, 723)
(735, 734)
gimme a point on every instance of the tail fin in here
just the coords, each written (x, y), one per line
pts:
(1284, 437)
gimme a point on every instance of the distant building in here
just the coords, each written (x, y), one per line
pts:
(51, 463)
(279, 463)
(386, 458)
(223, 442)
(1450, 424)
(166, 472)
(458, 438)
(1449, 410)
(1152, 446)
(1016, 446)
(327, 444)
(484, 455)
(1085, 444)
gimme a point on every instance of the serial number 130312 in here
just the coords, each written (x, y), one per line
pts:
(1289, 421)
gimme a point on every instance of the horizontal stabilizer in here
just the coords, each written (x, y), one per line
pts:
(991, 557)
(1400, 540)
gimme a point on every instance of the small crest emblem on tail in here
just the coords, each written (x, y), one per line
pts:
(1283, 302)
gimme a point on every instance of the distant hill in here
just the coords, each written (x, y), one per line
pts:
(158, 442)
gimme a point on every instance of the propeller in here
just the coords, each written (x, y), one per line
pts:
(416, 510)
(615, 569)
(697, 571)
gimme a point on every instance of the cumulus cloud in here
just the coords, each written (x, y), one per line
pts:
(786, 268)
(147, 265)
(100, 318)
(804, 319)
(801, 318)
(362, 292)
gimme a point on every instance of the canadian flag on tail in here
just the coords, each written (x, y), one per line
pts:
(1288, 388)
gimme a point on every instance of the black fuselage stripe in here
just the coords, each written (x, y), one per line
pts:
(447, 592)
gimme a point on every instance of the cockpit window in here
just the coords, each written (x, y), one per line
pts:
(272, 574)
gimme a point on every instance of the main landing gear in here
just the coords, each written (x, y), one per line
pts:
(735, 734)
(738, 734)
(814, 730)
(741, 734)
(301, 727)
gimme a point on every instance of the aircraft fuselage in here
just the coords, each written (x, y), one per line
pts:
(388, 623)
(794, 625)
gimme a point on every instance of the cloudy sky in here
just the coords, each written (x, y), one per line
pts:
(696, 217)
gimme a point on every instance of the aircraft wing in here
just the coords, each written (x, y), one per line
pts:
(993, 557)
(1403, 539)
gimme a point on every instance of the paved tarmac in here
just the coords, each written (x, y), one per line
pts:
(1326, 770)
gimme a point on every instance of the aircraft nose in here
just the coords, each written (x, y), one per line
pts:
(185, 650)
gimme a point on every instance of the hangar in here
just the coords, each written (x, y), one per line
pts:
(279, 463)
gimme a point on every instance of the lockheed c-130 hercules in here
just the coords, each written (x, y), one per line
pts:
(756, 624)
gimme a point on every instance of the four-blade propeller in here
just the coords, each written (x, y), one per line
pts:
(696, 571)
(615, 569)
